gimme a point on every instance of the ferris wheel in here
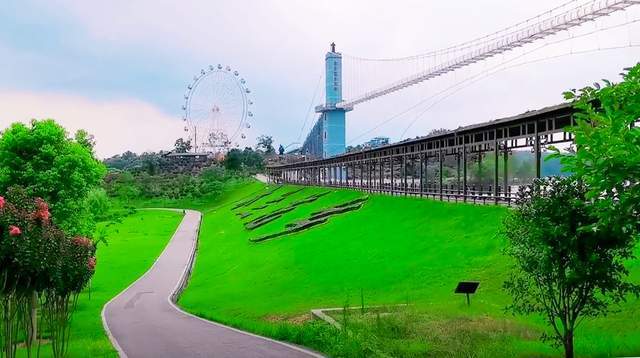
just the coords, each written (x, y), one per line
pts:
(216, 109)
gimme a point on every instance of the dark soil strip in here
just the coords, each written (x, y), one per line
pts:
(257, 222)
(255, 198)
(315, 219)
(259, 207)
(305, 224)
(244, 214)
(266, 218)
(309, 199)
(334, 211)
(284, 196)
(354, 201)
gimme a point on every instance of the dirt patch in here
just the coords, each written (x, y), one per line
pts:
(316, 218)
(252, 200)
(266, 218)
(298, 320)
(284, 196)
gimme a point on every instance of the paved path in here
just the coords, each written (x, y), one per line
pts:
(143, 321)
(261, 177)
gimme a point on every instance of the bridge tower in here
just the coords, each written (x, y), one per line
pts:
(333, 118)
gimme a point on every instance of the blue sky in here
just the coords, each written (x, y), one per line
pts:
(120, 68)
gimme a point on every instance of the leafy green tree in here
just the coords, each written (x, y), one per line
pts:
(564, 270)
(247, 159)
(43, 159)
(608, 149)
(98, 203)
(182, 146)
(125, 187)
(265, 143)
(233, 160)
(85, 139)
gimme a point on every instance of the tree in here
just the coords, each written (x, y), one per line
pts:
(85, 139)
(564, 270)
(43, 159)
(233, 159)
(281, 150)
(608, 149)
(438, 131)
(182, 146)
(247, 158)
(38, 262)
(266, 143)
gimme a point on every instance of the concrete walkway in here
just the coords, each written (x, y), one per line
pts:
(261, 177)
(143, 321)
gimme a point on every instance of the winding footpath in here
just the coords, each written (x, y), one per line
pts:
(143, 320)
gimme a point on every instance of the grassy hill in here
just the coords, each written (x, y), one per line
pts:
(392, 250)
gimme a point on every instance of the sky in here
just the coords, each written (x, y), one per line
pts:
(120, 68)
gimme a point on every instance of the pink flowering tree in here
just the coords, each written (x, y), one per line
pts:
(40, 268)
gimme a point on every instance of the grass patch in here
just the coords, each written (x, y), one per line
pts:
(391, 251)
(133, 245)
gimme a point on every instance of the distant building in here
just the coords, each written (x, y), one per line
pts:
(377, 142)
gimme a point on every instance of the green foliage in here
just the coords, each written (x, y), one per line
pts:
(98, 203)
(608, 155)
(48, 164)
(265, 143)
(246, 159)
(37, 259)
(130, 186)
(182, 146)
(565, 268)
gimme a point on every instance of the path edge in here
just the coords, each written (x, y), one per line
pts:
(182, 284)
(179, 288)
(105, 325)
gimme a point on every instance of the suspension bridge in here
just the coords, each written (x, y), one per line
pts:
(404, 167)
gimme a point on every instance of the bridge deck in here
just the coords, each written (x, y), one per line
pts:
(416, 167)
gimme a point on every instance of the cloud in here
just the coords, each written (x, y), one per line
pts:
(150, 49)
(118, 125)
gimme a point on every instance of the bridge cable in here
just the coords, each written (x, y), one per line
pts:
(313, 100)
(475, 76)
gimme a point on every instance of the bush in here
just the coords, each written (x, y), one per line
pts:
(38, 263)
(209, 183)
(98, 204)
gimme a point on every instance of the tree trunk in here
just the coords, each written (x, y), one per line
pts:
(32, 334)
(568, 344)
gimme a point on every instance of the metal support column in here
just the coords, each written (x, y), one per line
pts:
(421, 158)
(392, 163)
(369, 175)
(380, 174)
(404, 174)
(464, 172)
(495, 173)
(458, 172)
(441, 159)
(537, 151)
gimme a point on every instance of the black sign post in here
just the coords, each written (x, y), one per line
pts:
(468, 288)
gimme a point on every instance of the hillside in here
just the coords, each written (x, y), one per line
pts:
(391, 250)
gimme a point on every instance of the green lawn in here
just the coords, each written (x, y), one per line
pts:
(394, 250)
(133, 246)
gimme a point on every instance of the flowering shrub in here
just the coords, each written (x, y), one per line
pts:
(38, 264)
